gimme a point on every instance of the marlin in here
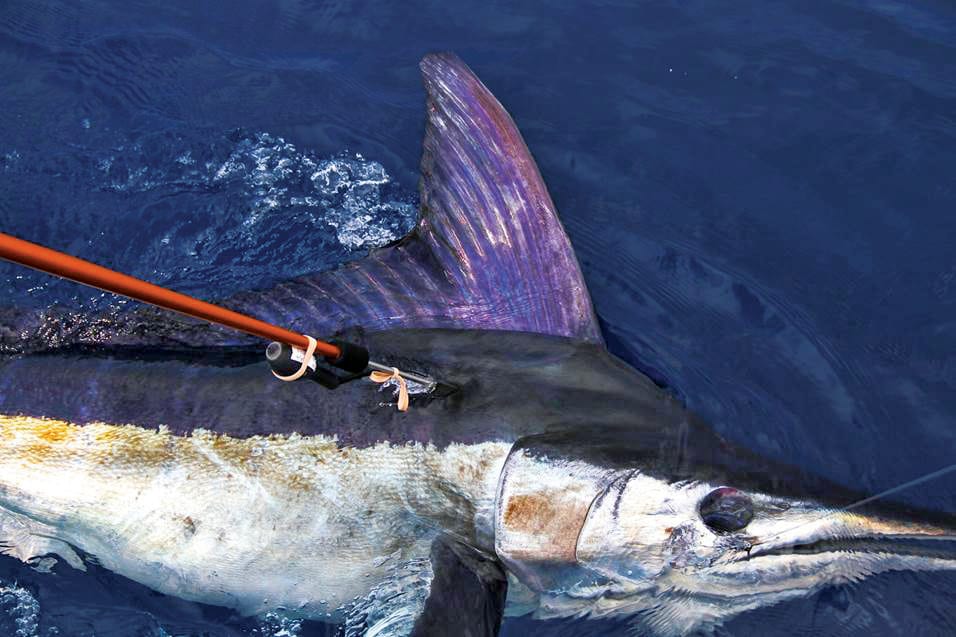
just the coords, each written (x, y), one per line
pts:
(555, 480)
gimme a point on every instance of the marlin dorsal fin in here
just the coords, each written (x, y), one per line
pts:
(487, 215)
(489, 251)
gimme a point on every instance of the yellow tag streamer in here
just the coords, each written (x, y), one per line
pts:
(384, 377)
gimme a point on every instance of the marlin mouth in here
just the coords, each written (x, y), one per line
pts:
(937, 546)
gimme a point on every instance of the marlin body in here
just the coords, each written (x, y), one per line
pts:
(556, 480)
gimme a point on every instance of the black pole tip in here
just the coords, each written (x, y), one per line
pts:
(354, 358)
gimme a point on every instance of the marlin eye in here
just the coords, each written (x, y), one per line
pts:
(726, 510)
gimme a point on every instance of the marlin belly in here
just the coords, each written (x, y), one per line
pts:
(264, 522)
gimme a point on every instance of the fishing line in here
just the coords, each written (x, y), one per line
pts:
(901, 487)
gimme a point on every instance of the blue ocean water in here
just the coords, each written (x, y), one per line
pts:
(762, 199)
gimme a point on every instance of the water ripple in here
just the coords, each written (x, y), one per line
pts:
(251, 201)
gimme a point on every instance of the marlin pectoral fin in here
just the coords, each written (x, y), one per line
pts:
(489, 252)
(454, 591)
(466, 596)
(34, 543)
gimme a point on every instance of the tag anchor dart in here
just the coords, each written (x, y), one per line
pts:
(353, 360)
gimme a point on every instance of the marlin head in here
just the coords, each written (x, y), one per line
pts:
(602, 529)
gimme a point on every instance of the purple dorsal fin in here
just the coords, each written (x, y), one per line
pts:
(488, 253)
(487, 215)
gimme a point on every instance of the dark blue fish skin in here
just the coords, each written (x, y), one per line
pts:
(511, 384)
(489, 252)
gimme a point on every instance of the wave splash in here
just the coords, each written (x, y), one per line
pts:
(213, 214)
(20, 613)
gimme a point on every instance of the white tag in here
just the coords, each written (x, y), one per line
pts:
(299, 354)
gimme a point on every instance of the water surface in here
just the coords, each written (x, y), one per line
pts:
(762, 200)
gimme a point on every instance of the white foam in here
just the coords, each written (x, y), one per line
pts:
(346, 193)
(224, 212)
(277, 624)
(21, 611)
